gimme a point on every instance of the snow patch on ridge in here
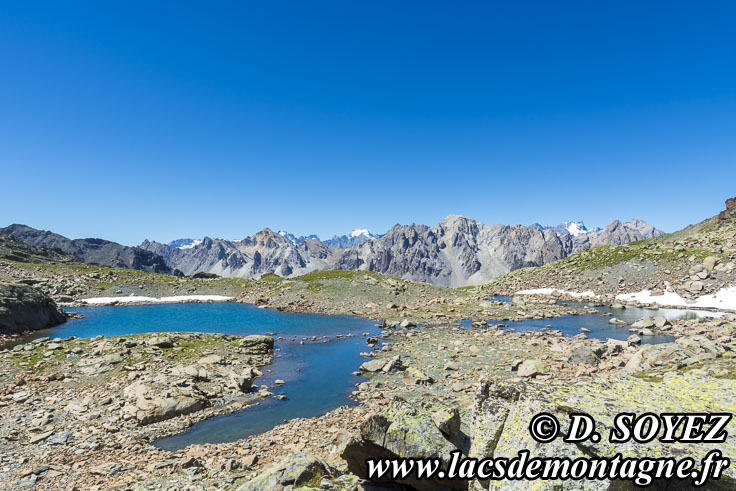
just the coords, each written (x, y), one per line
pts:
(141, 299)
(549, 291)
(724, 298)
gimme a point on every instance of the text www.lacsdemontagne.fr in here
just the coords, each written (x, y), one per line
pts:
(641, 471)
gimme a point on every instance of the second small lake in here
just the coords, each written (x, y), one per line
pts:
(597, 318)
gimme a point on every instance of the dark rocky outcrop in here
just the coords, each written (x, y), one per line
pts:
(205, 276)
(97, 251)
(23, 308)
(14, 249)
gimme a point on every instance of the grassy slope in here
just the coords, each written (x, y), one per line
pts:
(691, 244)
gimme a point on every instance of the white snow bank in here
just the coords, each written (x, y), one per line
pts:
(140, 299)
(724, 298)
(550, 291)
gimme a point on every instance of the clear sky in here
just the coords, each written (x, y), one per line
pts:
(132, 120)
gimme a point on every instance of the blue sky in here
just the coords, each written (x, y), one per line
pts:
(134, 120)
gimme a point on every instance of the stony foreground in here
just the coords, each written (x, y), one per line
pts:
(81, 413)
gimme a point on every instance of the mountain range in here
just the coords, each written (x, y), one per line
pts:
(458, 251)
(92, 250)
(356, 237)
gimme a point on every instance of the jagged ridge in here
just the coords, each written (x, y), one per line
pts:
(458, 251)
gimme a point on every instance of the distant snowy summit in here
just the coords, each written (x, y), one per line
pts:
(356, 237)
(184, 243)
(294, 240)
(573, 228)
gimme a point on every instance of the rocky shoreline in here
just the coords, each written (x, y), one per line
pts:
(95, 433)
(86, 400)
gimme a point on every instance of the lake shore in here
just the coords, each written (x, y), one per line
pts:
(445, 364)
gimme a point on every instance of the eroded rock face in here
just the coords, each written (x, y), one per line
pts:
(23, 308)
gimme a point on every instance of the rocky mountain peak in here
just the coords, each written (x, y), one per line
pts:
(268, 238)
(730, 212)
(451, 219)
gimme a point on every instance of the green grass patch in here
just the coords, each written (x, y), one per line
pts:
(648, 377)
(271, 277)
(334, 274)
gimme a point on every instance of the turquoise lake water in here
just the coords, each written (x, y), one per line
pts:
(597, 321)
(318, 375)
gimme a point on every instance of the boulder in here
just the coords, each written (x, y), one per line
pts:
(694, 286)
(257, 344)
(60, 438)
(407, 323)
(243, 380)
(373, 365)
(161, 342)
(192, 372)
(447, 421)
(414, 376)
(150, 405)
(489, 417)
(633, 340)
(660, 322)
(710, 262)
(296, 471)
(531, 368)
(23, 308)
(615, 346)
(583, 355)
(395, 364)
(642, 323)
(634, 364)
(162, 408)
(405, 430)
